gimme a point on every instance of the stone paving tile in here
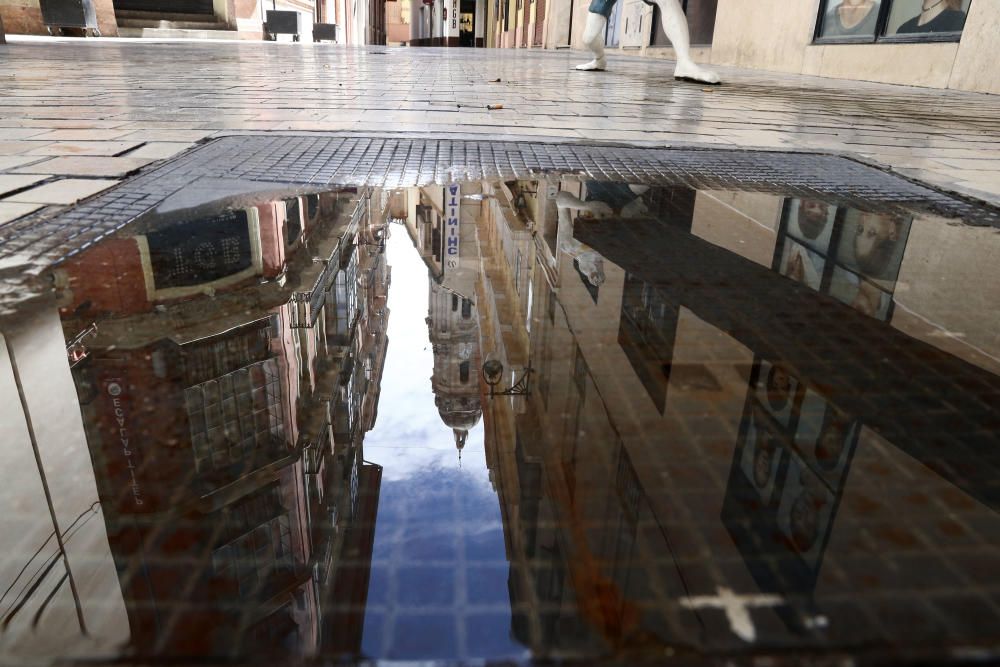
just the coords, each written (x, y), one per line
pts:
(991, 166)
(80, 135)
(59, 123)
(84, 165)
(9, 134)
(129, 89)
(9, 148)
(11, 211)
(181, 136)
(12, 161)
(103, 148)
(11, 182)
(159, 150)
(66, 191)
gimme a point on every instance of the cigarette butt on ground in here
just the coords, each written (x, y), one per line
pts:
(492, 107)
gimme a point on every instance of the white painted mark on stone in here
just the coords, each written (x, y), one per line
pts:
(737, 608)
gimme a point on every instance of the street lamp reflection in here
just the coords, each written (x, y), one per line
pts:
(493, 372)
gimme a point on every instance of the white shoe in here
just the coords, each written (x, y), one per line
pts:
(691, 72)
(595, 65)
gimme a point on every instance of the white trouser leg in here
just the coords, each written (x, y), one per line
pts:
(675, 26)
(591, 263)
(593, 39)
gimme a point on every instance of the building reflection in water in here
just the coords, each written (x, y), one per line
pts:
(751, 418)
(443, 230)
(688, 384)
(228, 455)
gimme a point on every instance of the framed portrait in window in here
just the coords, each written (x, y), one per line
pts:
(927, 17)
(852, 255)
(867, 21)
(849, 19)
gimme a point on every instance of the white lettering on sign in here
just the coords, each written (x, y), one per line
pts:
(452, 226)
(118, 410)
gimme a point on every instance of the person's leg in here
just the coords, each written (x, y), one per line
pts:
(593, 39)
(590, 263)
(675, 26)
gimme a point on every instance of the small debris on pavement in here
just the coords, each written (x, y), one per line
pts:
(493, 107)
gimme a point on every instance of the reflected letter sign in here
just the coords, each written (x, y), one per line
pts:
(186, 258)
(199, 252)
(452, 230)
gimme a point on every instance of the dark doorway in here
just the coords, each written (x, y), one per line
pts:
(701, 22)
(467, 23)
(166, 6)
(539, 37)
(611, 36)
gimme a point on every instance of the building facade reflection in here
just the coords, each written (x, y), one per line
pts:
(737, 401)
(444, 233)
(723, 411)
(229, 456)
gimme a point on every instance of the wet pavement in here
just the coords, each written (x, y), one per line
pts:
(86, 113)
(556, 416)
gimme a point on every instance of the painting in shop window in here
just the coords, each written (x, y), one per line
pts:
(911, 17)
(851, 18)
(868, 20)
(854, 256)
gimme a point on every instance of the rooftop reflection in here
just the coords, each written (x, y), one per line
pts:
(755, 423)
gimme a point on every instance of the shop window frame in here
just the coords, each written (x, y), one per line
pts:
(880, 27)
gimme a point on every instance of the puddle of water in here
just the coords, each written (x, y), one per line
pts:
(504, 421)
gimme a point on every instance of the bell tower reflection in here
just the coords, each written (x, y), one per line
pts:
(454, 333)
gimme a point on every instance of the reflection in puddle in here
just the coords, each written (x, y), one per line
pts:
(711, 421)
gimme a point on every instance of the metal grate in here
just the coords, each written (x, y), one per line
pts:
(321, 162)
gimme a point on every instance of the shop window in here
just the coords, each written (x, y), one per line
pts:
(866, 21)
(293, 221)
(517, 273)
(312, 207)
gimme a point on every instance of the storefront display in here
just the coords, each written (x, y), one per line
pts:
(891, 20)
